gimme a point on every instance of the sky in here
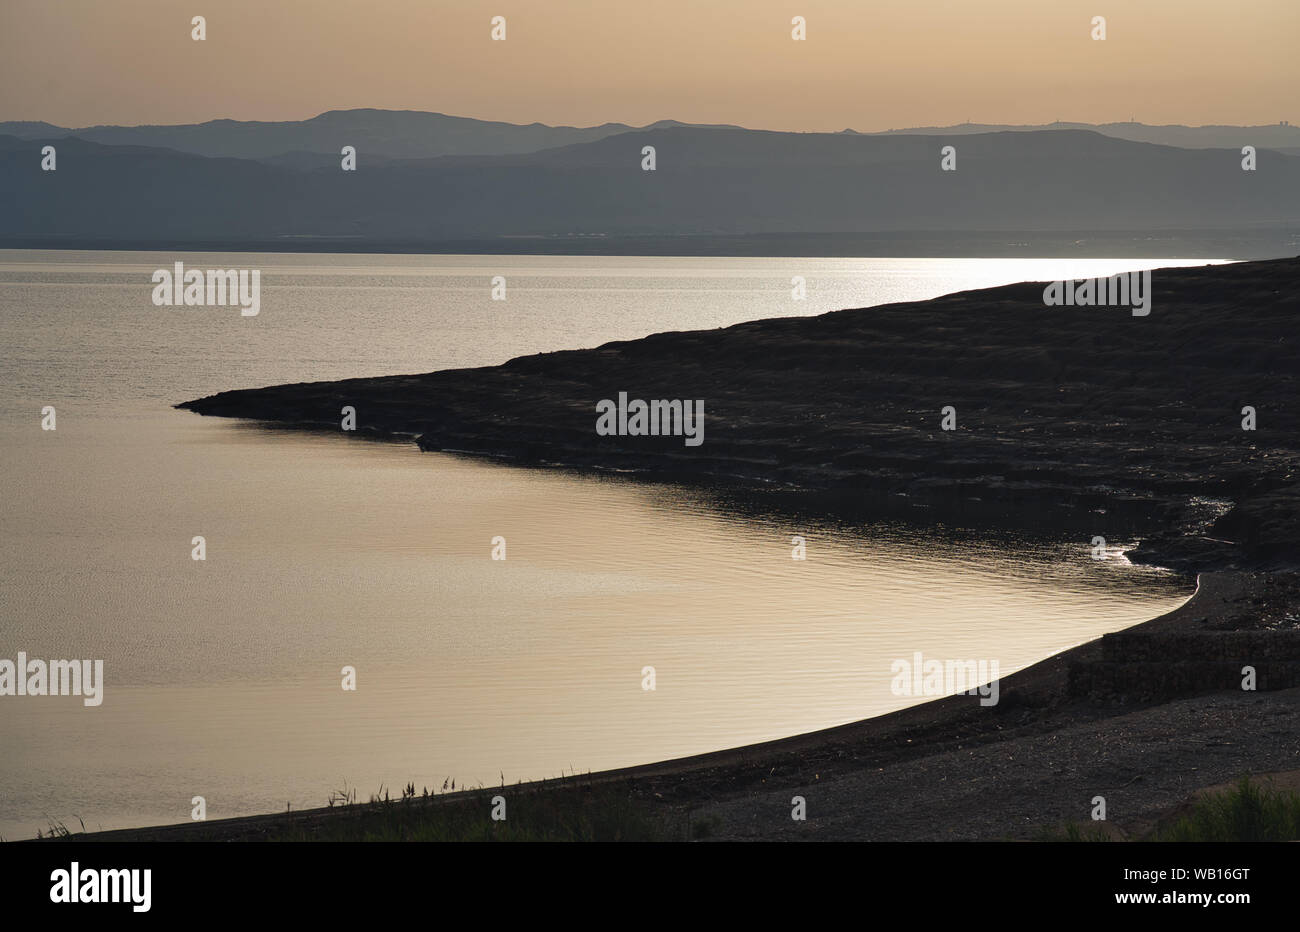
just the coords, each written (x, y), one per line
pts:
(866, 64)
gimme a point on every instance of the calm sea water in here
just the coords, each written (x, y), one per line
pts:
(223, 676)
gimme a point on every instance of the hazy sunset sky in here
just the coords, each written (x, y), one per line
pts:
(867, 64)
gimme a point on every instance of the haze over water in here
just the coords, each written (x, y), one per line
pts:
(223, 676)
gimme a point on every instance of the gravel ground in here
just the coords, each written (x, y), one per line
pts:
(1144, 763)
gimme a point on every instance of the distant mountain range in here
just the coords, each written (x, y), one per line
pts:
(1281, 136)
(383, 134)
(407, 134)
(281, 183)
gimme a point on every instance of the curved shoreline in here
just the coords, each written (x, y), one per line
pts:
(1036, 705)
(1061, 414)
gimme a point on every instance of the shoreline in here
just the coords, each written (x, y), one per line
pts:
(736, 786)
(846, 406)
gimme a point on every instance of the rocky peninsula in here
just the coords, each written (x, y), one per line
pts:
(1083, 415)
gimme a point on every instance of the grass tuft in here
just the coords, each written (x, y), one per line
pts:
(1248, 812)
(568, 810)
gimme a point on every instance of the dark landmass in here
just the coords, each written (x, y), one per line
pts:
(1134, 423)
(714, 182)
